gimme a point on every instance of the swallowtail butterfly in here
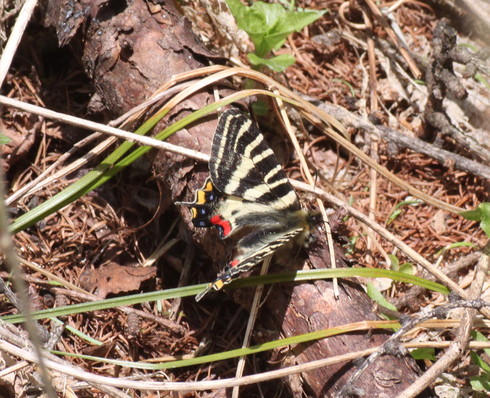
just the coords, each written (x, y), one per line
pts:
(247, 195)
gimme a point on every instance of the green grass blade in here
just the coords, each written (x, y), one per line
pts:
(294, 340)
(186, 291)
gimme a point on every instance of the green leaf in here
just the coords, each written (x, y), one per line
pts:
(297, 276)
(473, 215)
(395, 263)
(397, 211)
(485, 222)
(393, 216)
(277, 64)
(475, 358)
(455, 246)
(424, 353)
(377, 296)
(480, 383)
(407, 268)
(268, 24)
(220, 356)
(482, 214)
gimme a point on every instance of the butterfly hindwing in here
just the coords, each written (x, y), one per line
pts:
(256, 249)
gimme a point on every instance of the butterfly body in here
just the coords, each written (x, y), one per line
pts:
(247, 196)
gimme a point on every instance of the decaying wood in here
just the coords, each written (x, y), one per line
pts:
(132, 51)
(442, 83)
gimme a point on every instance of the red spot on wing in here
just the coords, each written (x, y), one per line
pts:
(234, 263)
(221, 222)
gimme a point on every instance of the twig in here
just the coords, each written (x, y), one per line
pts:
(250, 324)
(449, 159)
(373, 100)
(11, 335)
(442, 156)
(15, 37)
(311, 181)
(11, 260)
(442, 82)
(396, 41)
(87, 124)
(212, 384)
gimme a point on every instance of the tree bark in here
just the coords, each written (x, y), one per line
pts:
(131, 51)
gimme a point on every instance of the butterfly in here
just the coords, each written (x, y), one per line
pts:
(247, 195)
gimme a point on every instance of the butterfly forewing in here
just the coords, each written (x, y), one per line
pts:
(243, 165)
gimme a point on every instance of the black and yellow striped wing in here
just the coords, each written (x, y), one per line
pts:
(243, 165)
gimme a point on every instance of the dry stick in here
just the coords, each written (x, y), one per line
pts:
(396, 41)
(251, 322)
(14, 368)
(446, 158)
(75, 121)
(373, 191)
(15, 37)
(311, 181)
(417, 145)
(463, 335)
(39, 182)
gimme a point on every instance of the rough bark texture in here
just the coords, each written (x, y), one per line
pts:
(132, 50)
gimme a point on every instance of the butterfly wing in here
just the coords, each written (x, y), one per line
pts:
(243, 165)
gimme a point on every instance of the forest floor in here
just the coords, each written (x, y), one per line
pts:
(334, 56)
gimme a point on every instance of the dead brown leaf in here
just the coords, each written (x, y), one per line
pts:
(114, 278)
